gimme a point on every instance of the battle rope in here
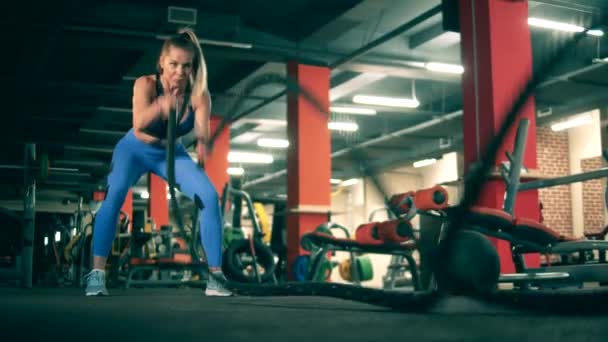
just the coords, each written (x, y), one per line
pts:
(473, 182)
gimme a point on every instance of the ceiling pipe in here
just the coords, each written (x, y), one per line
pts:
(368, 143)
(563, 77)
(390, 35)
(359, 52)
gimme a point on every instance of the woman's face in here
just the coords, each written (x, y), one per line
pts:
(177, 66)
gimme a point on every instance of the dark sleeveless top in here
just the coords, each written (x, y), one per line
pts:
(158, 128)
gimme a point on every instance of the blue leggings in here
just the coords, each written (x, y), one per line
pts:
(130, 160)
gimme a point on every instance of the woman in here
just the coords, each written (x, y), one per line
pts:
(181, 70)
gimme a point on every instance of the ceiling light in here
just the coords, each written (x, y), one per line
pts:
(353, 110)
(226, 43)
(57, 236)
(349, 182)
(555, 25)
(250, 157)
(335, 181)
(386, 101)
(236, 171)
(445, 68)
(273, 143)
(425, 162)
(572, 122)
(246, 137)
(343, 126)
(204, 41)
(144, 194)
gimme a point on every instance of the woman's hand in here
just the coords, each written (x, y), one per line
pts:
(166, 103)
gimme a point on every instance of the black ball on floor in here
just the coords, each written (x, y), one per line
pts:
(467, 264)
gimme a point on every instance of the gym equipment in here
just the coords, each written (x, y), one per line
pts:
(246, 259)
(160, 258)
(241, 259)
(301, 269)
(458, 270)
(477, 175)
(264, 222)
(364, 266)
(468, 265)
(368, 233)
(319, 243)
(397, 231)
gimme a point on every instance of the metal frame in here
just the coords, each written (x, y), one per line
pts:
(258, 234)
(577, 273)
(397, 253)
(317, 257)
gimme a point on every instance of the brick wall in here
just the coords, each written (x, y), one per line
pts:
(593, 197)
(553, 160)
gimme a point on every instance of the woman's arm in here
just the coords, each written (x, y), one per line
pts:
(202, 114)
(145, 107)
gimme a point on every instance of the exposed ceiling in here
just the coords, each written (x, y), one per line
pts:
(68, 80)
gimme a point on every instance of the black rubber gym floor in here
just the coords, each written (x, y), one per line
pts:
(186, 315)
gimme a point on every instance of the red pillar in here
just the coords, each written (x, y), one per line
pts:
(497, 57)
(158, 205)
(308, 157)
(127, 207)
(216, 161)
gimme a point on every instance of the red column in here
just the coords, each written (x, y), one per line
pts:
(158, 205)
(216, 161)
(308, 157)
(497, 57)
(127, 207)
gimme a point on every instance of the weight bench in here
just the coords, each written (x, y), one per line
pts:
(320, 243)
(529, 236)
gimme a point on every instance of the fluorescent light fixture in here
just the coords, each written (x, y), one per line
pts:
(212, 42)
(555, 25)
(353, 110)
(445, 68)
(246, 137)
(425, 162)
(273, 143)
(349, 182)
(235, 171)
(597, 33)
(144, 194)
(415, 64)
(57, 236)
(343, 126)
(250, 157)
(386, 101)
(572, 122)
(335, 181)
(226, 44)
(114, 109)
(46, 240)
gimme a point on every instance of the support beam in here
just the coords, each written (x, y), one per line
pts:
(433, 37)
(29, 216)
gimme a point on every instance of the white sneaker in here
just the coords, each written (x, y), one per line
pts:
(215, 285)
(96, 283)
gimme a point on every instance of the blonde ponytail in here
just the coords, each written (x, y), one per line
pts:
(198, 79)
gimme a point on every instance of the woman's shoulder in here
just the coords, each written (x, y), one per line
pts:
(146, 84)
(145, 80)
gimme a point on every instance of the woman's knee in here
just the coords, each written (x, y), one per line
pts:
(206, 198)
